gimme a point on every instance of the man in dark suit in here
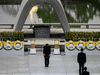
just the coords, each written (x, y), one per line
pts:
(85, 72)
(81, 59)
(47, 52)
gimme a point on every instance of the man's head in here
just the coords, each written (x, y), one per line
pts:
(47, 44)
(85, 68)
(81, 49)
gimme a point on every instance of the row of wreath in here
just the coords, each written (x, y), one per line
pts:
(11, 45)
(90, 45)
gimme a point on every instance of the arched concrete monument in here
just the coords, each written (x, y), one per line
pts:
(26, 6)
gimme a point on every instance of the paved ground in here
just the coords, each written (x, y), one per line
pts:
(34, 65)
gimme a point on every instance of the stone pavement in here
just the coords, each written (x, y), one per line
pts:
(34, 65)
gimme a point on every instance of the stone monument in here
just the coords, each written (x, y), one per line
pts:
(42, 31)
(26, 6)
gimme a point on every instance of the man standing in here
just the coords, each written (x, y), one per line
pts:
(81, 59)
(47, 52)
(85, 71)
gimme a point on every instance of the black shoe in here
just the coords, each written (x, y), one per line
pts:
(47, 65)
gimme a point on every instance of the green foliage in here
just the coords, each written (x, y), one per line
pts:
(10, 1)
(82, 12)
(81, 35)
(89, 35)
(69, 35)
(44, 12)
(12, 35)
(96, 35)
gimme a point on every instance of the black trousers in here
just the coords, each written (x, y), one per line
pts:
(46, 57)
(81, 66)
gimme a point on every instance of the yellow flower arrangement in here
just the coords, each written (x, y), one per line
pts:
(1, 45)
(9, 42)
(98, 45)
(78, 45)
(5, 45)
(16, 42)
(69, 42)
(90, 45)
(80, 42)
(68, 45)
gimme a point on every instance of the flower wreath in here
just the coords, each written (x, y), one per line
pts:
(72, 47)
(1, 45)
(80, 44)
(18, 42)
(6, 47)
(98, 45)
(90, 45)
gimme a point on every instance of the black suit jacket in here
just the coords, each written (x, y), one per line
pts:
(47, 50)
(85, 73)
(81, 58)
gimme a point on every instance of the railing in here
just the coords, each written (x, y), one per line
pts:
(52, 24)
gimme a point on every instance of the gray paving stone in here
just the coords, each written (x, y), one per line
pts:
(59, 65)
(72, 74)
(3, 62)
(3, 65)
(71, 71)
(57, 73)
(6, 74)
(23, 65)
(56, 70)
(3, 71)
(33, 74)
(13, 72)
(39, 70)
(39, 74)
(21, 74)
(26, 72)
(93, 70)
(95, 74)
(23, 69)
(13, 66)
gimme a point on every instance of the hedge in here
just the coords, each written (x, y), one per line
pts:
(10, 2)
(82, 35)
(12, 35)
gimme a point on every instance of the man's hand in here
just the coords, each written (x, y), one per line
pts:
(44, 54)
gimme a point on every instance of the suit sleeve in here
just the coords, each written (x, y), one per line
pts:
(88, 73)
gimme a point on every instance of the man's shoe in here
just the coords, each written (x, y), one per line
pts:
(46, 65)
